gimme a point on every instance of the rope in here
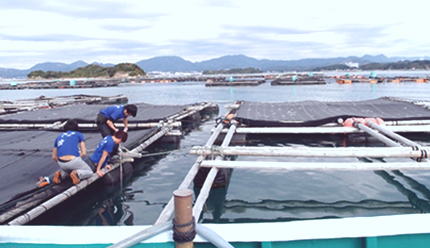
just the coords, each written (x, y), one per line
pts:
(423, 155)
(120, 152)
(216, 149)
(184, 237)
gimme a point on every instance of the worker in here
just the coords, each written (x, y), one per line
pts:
(69, 148)
(104, 149)
(106, 118)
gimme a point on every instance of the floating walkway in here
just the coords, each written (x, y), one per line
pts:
(298, 80)
(406, 80)
(235, 82)
(42, 102)
(27, 139)
(61, 84)
(213, 159)
(375, 80)
(360, 231)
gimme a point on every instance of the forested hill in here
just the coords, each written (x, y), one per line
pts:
(92, 71)
(401, 65)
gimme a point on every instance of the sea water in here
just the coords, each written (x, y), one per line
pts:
(261, 195)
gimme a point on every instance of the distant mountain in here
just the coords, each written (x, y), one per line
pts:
(50, 66)
(102, 64)
(166, 63)
(13, 73)
(175, 64)
(178, 64)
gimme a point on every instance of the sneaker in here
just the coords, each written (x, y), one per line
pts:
(57, 177)
(74, 176)
(43, 181)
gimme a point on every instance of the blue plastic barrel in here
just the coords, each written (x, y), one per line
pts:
(72, 82)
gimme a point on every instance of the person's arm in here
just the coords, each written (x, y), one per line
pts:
(125, 121)
(100, 163)
(54, 154)
(111, 125)
(83, 149)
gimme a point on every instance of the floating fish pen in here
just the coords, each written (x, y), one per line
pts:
(151, 80)
(26, 148)
(327, 118)
(179, 222)
(61, 84)
(359, 79)
(216, 161)
(9, 107)
(211, 83)
(298, 80)
(406, 80)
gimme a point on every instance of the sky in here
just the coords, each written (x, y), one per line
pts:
(118, 31)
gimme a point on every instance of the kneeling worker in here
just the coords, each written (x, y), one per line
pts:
(66, 154)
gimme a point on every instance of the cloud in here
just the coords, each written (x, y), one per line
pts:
(94, 9)
(219, 3)
(44, 38)
(108, 31)
(123, 28)
(264, 30)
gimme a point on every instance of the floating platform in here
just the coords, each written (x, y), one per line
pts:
(42, 102)
(235, 83)
(27, 141)
(216, 159)
(61, 84)
(406, 80)
(301, 80)
(350, 80)
(306, 230)
(317, 113)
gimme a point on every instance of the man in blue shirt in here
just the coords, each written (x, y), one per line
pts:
(102, 153)
(66, 153)
(106, 118)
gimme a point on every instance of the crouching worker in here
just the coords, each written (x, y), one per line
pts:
(102, 153)
(66, 153)
(106, 117)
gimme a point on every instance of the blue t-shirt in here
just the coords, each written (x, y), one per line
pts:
(67, 143)
(107, 144)
(113, 112)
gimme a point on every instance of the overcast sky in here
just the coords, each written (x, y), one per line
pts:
(115, 31)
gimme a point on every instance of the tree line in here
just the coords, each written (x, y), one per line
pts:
(92, 71)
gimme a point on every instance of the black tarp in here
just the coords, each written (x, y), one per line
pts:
(26, 156)
(315, 113)
(87, 114)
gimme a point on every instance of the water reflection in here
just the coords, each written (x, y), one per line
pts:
(415, 201)
(114, 211)
(217, 195)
